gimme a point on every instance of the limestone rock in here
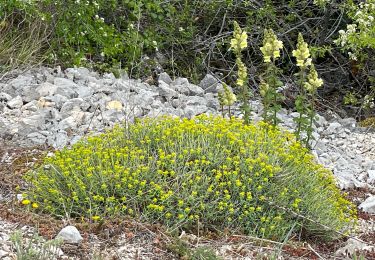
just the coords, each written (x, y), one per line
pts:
(368, 205)
(16, 102)
(70, 234)
(209, 83)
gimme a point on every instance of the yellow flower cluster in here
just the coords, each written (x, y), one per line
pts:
(302, 53)
(313, 81)
(178, 171)
(263, 88)
(271, 46)
(242, 72)
(227, 97)
(239, 40)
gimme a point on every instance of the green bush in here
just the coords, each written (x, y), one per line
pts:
(35, 248)
(221, 173)
(193, 35)
(23, 36)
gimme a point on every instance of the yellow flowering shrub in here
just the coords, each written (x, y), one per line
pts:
(209, 170)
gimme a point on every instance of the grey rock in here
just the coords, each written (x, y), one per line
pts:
(371, 176)
(184, 101)
(191, 111)
(16, 102)
(320, 121)
(71, 104)
(107, 90)
(65, 83)
(320, 147)
(83, 91)
(112, 115)
(21, 81)
(33, 121)
(29, 93)
(57, 100)
(3, 254)
(70, 234)
(145, 98)
(353, 247)
(333, 128)
(31, 106)
(75, 139)
(294, 114)
(196, 101)
(345, 180)
(181, 85)
(108, 79)
(166, 91)
(209, 83)
(37, 138)
(78, 74)
(212, 101)
(50, 114)
(165, 78)
(65, 87)
(368, 205)
(157, 104)
(195, 90)
(46, 89)
(4, 97)
(348, 122)
(68, 123)
(58, 140)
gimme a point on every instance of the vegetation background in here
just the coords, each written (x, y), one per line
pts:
(191, 38)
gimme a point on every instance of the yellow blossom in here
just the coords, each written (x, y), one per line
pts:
(26, 202)
(302, 53)
(313, 81)
(95, 218)
(239, 41)
(271, 46)
(226, 97)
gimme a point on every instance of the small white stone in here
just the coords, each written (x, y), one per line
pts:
(368, 205)
(19, 197)
(70, 234)
(3, 253)
(353, 246)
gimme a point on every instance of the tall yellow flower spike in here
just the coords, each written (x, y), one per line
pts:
(313, 81)
(239, 41)
(226, 97)
(302, 53)
(271, 46)
(242, 72)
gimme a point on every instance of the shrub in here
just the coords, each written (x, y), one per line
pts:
(218, 172)
(368, 122)
(24, 36)
(35, 248)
